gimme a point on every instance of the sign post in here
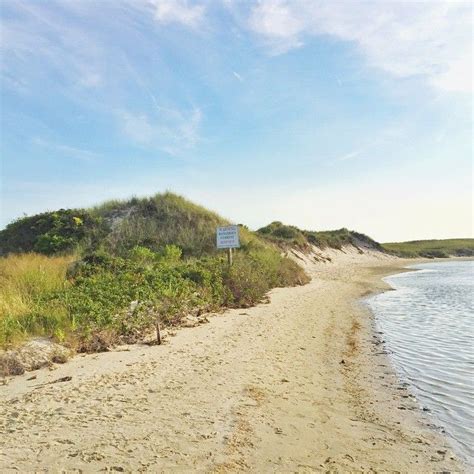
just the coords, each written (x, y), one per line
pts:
(227, 237)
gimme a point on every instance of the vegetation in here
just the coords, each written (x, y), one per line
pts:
(157, 221)
(432, 248)
(24, 280)
(287, 235)
(51, 233)
(109, 273)
(283, 234)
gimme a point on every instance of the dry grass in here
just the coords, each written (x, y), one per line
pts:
(23, 279)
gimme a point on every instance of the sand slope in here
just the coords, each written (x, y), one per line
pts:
(296, 385)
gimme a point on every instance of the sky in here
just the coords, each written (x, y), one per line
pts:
(320, 114)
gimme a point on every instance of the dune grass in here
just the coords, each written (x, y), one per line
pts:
(24, 280)
(432, 248)
(288, 235)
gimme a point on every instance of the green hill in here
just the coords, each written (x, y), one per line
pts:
(287, 235)
(432, 248)
(93, 277)
(116, 226)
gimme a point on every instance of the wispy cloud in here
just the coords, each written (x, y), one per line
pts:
(170, 130)
(382, 137)
(349, 156)
(238, 76)
(405, 39)
(73, 152)
(33, 36)
(178, 11)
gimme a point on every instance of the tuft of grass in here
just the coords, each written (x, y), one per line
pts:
(432, 248)
(24, 280)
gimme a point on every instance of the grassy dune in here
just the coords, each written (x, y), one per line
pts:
(432, 248)
(288, 235)
(91, 277)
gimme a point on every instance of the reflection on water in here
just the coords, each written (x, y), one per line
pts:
(428, 326)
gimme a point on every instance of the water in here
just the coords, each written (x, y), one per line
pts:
(428, 326)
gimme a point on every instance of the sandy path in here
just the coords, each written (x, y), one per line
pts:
(259, 390)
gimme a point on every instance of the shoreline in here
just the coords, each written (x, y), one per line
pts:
(427, 418)
(296, 384)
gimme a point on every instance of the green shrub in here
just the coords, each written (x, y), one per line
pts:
(281, 233)
(50, 233)
(254, 274)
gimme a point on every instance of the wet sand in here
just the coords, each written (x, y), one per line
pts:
(300, 384)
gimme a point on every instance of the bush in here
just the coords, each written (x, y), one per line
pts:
(281, 233)
(50, 233)
(253, 275)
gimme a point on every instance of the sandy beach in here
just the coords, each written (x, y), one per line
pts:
(298, 384)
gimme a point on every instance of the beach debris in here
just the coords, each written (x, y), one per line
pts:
(67, 378)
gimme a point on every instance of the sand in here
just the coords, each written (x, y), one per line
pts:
(299, 384)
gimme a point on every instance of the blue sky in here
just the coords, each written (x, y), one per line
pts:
(320, 114)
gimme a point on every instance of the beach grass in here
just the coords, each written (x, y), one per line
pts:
(24, 279)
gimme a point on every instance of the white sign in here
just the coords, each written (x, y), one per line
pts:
(228, 237)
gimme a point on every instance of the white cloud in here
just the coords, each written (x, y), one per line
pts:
(278, 21)
(178, 11)
(405, 39)
(457, 76)
(170, 130)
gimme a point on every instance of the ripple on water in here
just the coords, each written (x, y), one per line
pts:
(428, 326)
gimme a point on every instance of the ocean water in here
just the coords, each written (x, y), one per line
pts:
(428, 328)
